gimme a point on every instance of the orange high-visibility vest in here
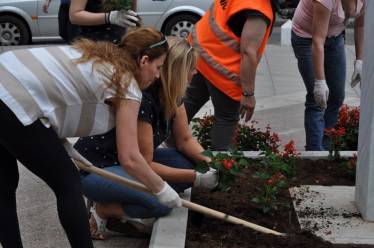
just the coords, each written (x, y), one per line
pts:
(218, 46)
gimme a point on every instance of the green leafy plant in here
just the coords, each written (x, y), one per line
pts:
(336, 141)
(228, 164)
(246, 137)
(344, 136)
(273, 173)
(109, 5)
(250, 138)
(201, 130)
(349, 118)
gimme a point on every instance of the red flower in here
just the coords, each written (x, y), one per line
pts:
(275, 137)
(335, 133)
(228, 164)
(275, 179)
(340, 132)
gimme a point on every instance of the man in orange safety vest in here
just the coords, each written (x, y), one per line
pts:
(230, 38)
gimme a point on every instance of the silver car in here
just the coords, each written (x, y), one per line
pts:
(23, 21)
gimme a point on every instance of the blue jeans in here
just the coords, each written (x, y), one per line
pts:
(135, 204)
(316, 119)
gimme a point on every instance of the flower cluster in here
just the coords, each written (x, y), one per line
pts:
(246, 137)
(289, 150)
(250, 138)
(344, 137)
(229, 166)
(201, 130)
(273, 173)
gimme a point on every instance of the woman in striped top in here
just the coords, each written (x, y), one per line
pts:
(49, 94)
(162, 114)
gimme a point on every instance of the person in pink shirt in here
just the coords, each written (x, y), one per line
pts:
(318, 43)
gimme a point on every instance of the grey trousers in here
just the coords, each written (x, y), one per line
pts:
(226, 110)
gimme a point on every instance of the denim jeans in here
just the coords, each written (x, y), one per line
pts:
(135, 204)
(226, 110)
(317, 119)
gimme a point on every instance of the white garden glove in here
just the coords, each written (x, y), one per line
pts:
(169, 197)
(357, 73)
(123, 18)
(207, 180)
(321, 93)
(74, 154)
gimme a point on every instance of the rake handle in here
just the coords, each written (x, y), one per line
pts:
(187, 204)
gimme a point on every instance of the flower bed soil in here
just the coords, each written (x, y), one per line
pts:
(213, 233)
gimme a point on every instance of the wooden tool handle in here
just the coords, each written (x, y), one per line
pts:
(187, 204)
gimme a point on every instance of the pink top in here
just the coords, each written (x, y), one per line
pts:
(303, 18)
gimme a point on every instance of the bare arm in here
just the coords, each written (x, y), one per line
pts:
(145, 137)
(321, 17)
(78, 15)
(129, 155)
(251, 39)
(359, 36)
(184, 140)
(45, 6)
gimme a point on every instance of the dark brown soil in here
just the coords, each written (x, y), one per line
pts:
(211, 233)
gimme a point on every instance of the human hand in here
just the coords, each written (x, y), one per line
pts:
(123, 18)
(321, 93)
(247, 106)
(74, 154)
(45, 6)
(208, 180)
(169, 197)
(357, 73)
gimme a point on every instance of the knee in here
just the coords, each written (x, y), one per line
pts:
(227, 117)
(161, 211)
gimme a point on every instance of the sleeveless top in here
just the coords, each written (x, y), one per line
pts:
(105, 32)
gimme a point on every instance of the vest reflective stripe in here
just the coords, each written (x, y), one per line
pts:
(213, 63)
(227, 40)
(219, 47)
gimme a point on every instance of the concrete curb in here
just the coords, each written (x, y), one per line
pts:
(311, 155)
(170, 231)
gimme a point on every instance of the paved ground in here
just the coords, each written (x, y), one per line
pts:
(280, 103)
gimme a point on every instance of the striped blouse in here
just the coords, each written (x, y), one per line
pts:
(46, 84)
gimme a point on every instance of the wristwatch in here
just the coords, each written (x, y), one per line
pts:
(247, 94)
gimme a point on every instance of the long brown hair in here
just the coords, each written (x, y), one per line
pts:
(124, 57)
(180, 61)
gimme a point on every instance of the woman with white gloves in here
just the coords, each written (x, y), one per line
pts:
(99, 21)
(162, 114)
(318, 43)
(48, 94)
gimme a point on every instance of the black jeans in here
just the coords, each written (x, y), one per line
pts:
(226, 110)
(40, 150)
(66, 29)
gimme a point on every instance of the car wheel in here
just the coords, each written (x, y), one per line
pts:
(13, 31)
(180, 25)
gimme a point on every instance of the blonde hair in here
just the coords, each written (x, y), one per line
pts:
(180, 61)
(123, 57)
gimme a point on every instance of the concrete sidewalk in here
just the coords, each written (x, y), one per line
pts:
(280, 95)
